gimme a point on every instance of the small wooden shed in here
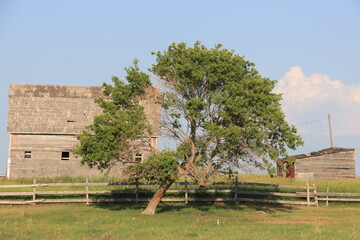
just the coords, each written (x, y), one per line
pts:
(329, 163)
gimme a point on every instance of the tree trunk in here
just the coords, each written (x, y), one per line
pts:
(155, 200)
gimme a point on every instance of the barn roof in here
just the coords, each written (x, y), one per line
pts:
(322, 152)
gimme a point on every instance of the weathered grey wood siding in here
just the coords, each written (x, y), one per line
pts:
(328, 166)
(152, 110)
(46, 161)
(64, 109)
(51, 109)
(45, 120)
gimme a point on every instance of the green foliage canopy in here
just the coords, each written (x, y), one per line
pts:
(161, 167)
(220, 110)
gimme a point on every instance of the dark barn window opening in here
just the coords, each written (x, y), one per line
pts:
(65, 156)
(27, 154)
(138, 157)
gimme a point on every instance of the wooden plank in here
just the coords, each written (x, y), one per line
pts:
(110, 200)
(186, 190)
(221, 183)
(185, 183)
(257, 184)
(23, 186)
(327, 191)
(304, 194)
(203, 191)
(307, 194)
(134, 200)
(236, 190)
(150, 183)
(76, 184)
(340, 199)
(19, 202)
(34, 190)
(16, 193)
(65, 200)
(66, 185)
(137, 191)
(272, 185)
(89, 192)
(268, 193)
(315, 196)
(239, 191)
(274, 201)
(59, 192)
(74, 192)
(203, 199)
(324, 194)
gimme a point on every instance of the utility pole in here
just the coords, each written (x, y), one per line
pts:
(331, 140)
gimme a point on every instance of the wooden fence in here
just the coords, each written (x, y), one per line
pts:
(337, 197)
(184, 192)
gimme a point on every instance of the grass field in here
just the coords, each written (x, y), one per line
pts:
(176, 221)
(79, 221)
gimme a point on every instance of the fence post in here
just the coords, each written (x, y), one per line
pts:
(327, 196)
(236, 190)
(307, 193)
(137, 191)
(34, 191)
(315, 195)
(186, 191)
(87, 191)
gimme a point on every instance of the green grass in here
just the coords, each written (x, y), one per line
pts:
(177, 221)
(79, 221)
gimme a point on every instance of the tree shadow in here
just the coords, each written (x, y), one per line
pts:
(210, 206)
(202, 207)
(119, 206)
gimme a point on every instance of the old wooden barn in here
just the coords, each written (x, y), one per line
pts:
(329, 163)
(43, 121)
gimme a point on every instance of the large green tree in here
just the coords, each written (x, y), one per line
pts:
(216, 107)
(220, 111)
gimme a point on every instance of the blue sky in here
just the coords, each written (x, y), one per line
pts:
(311, 47)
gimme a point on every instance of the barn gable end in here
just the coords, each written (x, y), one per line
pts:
(43, 121)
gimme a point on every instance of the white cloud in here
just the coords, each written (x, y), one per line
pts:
(311, 98)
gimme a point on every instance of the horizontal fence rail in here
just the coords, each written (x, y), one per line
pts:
(186, 192)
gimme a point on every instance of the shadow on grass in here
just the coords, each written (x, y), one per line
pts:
(119, 206)
(209, 206)
(205, 207)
